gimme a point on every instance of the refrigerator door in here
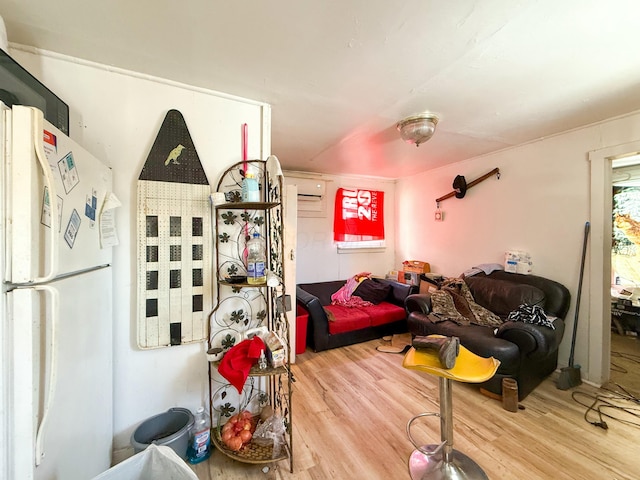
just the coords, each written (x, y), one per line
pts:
(56, 192)
(62, 384)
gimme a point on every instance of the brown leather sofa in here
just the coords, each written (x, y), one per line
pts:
(527, 352)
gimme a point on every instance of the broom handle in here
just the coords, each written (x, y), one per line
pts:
(575, 321)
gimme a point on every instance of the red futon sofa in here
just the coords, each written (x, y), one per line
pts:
(332, 326)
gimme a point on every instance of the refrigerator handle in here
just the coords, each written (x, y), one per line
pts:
(38, 132)
(52, 360)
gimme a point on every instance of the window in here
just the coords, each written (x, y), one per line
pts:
(358, 219)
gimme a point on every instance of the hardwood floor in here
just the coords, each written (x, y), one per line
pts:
(351, 406)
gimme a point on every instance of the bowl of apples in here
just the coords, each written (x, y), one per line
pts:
(238, 431)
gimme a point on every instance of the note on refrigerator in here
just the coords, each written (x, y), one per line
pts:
(108, 232)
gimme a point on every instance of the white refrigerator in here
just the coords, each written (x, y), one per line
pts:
(56, 347)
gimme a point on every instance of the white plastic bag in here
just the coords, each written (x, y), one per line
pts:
(154, 462)
(271, 431)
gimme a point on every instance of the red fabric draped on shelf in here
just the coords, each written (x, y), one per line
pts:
(237, 362)
(358, 215)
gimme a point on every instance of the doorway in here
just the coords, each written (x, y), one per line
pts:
(600, 266)
(625, 273)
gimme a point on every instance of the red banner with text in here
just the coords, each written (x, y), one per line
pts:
(358, 215)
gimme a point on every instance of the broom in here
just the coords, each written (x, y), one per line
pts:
(570, 376)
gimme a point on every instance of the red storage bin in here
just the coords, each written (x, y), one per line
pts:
(302, 317)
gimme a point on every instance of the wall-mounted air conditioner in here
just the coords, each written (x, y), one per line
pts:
(312, 198)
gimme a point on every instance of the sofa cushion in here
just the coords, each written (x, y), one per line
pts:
(503, 297)
(372, 291)
(345, 319)
(557, 296)
(384, 312)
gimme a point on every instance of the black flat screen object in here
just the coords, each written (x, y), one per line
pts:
(19, 87)
(236, 279)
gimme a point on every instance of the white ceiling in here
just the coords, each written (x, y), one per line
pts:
(340, 74)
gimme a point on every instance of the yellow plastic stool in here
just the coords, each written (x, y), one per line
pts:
(441, 461)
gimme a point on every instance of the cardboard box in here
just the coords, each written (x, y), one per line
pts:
(276, 351)
(426, 287)
(430, 282)
(416, 266)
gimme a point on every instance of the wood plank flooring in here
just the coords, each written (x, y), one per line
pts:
(351, 406)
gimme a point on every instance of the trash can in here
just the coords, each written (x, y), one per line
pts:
(170, 429)
(302, 317)
(157, 461)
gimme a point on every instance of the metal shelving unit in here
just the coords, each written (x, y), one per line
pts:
(240, 306)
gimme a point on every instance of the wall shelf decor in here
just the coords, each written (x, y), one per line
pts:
(174, 241)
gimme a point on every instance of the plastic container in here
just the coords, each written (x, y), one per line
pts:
(256, 261)
(302, 318)
(262, 361)
(199, 448)
(170, 429)
(250, 189)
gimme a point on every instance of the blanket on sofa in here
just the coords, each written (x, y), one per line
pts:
(345, 296)
(453, 301)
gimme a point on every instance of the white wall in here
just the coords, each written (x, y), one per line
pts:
(540, 204)
(116, 115)
(317, 257)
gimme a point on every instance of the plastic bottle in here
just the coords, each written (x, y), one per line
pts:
(256, 261)
(250, 190)
(262, 361)
(199, 448)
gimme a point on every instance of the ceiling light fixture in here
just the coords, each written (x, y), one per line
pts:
(417, 128)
